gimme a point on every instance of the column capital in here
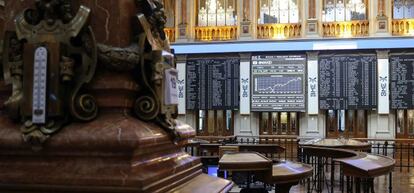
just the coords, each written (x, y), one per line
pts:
(181, 58)
(313, 55)
(245, 57)
(383, 54)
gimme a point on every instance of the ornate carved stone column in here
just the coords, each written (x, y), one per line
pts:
(312, 21)
(183, 22)
(246, 10)
(312, 9)
(92, 92)
(245, 23)
(381, 7)
(382, 19)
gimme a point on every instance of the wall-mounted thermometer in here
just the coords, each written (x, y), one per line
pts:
(39, 86)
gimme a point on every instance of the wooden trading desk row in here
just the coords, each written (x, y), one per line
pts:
(283, 174)
(357, 166)
(213, 151)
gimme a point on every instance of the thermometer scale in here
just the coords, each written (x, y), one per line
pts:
(39, 86)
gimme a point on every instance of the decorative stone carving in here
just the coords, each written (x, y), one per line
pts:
(116, 152)
(119, 59)
(48, 60)
(153, 43)
(149, 59)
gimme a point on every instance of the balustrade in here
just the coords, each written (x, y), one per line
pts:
(279, 31)
(170, 33)
(346, 29)
(401, 27)
(216, 33)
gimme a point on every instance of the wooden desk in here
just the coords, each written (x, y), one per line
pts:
(283, 174)
(204, 183)
(364, 168)
(361, 166)
(261, 148)
(209, 152)
(367, 165)
(287, 174)
(245, 161)
(338, 143)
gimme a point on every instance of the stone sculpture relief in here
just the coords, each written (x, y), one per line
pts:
(52, 54)
(48, 59)
(149, 57)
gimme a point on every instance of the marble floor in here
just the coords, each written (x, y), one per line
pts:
(403, 182)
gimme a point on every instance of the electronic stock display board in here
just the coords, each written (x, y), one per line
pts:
(278, 83)
(347, 81)
(212, 84)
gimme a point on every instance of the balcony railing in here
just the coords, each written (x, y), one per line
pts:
(170, 32)
(216, 33)
(279, 31)
(402, 27)
(346, 29)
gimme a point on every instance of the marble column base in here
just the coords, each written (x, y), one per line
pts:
(114, 153)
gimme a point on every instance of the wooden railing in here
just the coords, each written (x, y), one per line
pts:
(402, 27)
(279, 31)
(346, 29)
(216, 33)
(170, 33)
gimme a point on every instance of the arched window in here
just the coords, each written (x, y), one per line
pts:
(403, 9)
(344, 10)
(278, 11)
(169, 8)
(216, 12)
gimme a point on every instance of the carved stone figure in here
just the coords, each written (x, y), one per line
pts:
(149, 58)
